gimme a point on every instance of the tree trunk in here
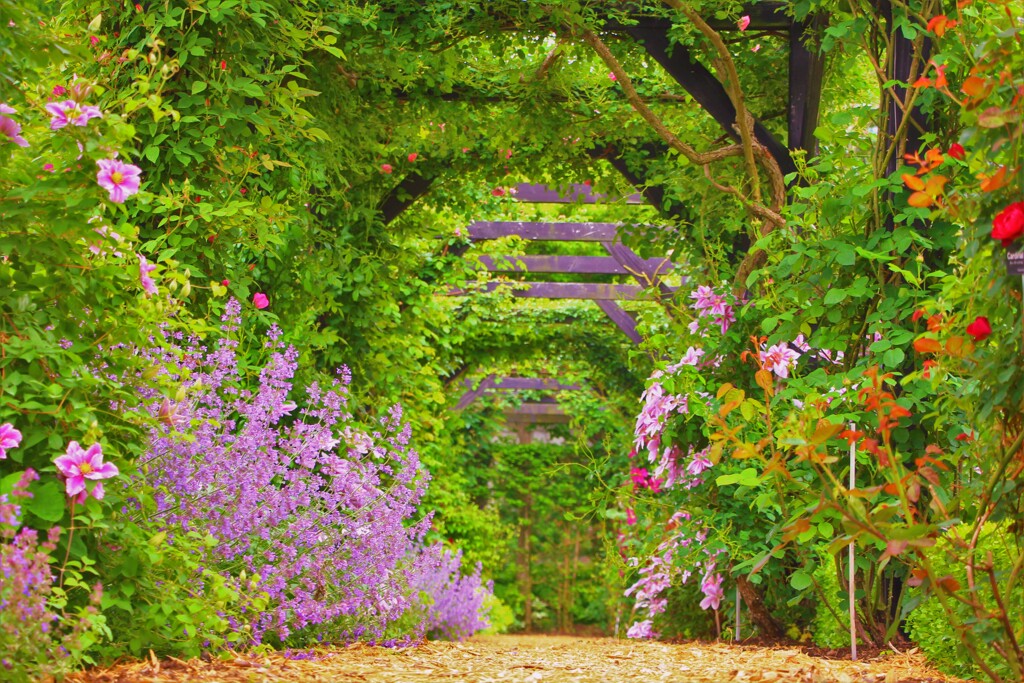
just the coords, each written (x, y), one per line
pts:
(759, 614)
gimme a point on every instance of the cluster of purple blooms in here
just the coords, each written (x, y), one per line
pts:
(319, 511)
(454, 603)
(33, 638)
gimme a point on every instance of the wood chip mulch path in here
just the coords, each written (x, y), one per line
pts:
(527, 659)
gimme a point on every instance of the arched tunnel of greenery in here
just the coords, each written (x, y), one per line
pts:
(275, 371)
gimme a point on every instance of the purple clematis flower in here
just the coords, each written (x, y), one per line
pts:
(70, 112)
(78, 465)
(9, 127)
(119, 179)
(9, 438)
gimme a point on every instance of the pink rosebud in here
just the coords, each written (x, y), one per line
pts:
(48, 168)
(756, 48)
(386, 169)
(611, 76)
(225, 282)
(412, 157)
(94, 41)
(223, 65)
(743, 23)
(59, 90)
(957, 151)
(260, 300)
(630, 517)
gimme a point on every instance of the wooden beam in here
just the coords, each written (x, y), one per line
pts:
(622, 319)
(596, 291)
(764, 16)
(704, 88)
(569, 264)
(806, 72)
(537, 193)
(537, 413)
(639, 268)
(522, 384)
(558, 232)
(404, 195)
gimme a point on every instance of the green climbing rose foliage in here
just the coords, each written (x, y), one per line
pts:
(319, 162)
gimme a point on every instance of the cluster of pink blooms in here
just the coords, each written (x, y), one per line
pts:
(779, 359)
(650, 423)
(665, 565)
(10, 128)
(710, 304)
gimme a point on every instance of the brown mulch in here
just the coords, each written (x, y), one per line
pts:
(528, 659)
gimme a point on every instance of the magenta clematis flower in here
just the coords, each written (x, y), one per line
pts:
(260, 300)
(119, 179)
(145, 268)
(9, 438)
(9, 127)
(70, 112)
(78, 465)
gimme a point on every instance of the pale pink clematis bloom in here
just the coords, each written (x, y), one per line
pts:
(9, 438)
(145, 268)
(78, 465)
(779, 359)
(10, 128)
(743, 23)
(70, 112)
(692, 356)
(119, 179)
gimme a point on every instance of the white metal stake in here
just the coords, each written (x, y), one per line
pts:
(853, 600)
(736, 633)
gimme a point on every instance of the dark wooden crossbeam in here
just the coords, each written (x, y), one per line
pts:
(806, 73)
(577, 192)
(600, 265)
(702, 85)
(561, 232)
(594, 291)
(764, 16)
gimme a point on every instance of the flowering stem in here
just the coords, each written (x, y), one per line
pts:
(71, 536)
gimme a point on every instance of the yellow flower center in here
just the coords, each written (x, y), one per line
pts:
(85, 468)
(117, 177)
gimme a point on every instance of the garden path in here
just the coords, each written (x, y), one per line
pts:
(526, 659)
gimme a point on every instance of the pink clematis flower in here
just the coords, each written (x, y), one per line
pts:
(9, 438)
(119, 179)
(78, 465)
(779, 359)
(9, 127)
(71, 112)
(145, 268)
(713, 594)
(260, 300)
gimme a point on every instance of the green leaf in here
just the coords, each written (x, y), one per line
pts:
(800, 581)
(47, 502)
(198, 87)
(834, 296)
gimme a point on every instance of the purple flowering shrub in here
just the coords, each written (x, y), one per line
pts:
(38, 638)
(315, 512)
(454, 603)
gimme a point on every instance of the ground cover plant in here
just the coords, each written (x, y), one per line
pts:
(232, 233)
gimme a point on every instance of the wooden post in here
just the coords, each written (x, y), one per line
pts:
(736, 631)
(852, 591)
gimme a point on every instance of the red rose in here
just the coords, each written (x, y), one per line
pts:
(957, 151)
(225, 282)
(412, 157)
(386, 168)
(979, 329)
(1009, 224)
(498, 192)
